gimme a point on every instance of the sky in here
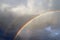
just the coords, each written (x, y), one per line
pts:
(20, 11)
(43, 27)
(22, 7)
(30, 7)
(15, 12)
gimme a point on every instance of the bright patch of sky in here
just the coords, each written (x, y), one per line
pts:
(53, 32)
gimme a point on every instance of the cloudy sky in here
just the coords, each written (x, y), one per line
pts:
(21, 7)
(20, 11)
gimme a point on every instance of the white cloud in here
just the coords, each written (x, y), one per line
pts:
(3, 7)
(33, 7)
(21, 9)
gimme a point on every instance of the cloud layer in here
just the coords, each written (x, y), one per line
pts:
(22, 7)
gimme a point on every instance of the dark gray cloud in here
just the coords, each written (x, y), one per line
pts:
(10, 22)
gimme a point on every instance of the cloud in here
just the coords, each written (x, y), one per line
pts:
(32, 7)
(3, 7)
